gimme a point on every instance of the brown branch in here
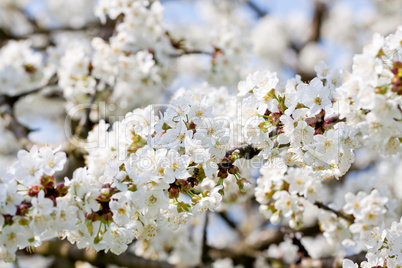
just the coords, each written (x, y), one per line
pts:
(84, 124)
(205, 258)
(7, 104)
(230, 223)
(247, 151)
(11, 100)
(189, 52)
(64, 250)
(256, 9)
(335, 262)
(270, 236)
(20, 131)
(319, 12)
(336, 212)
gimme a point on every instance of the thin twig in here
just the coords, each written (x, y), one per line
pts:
(189, 52)
(256, 9)
(64, 250)
(82, 126)
(230, 223)
(204, 255)
(11, 100)
(336, 212)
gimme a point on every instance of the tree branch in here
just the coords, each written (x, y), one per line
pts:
(204, 255)
(319, 12)
(83, 126)
(256, 9)
(64, 250)
(189, 52)
(230, 223)
(337, 213)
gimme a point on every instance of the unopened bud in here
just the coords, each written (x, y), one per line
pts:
(132, 188)
(328, 124)
(222, 173)
(318, 131)
(233, 170)
(275, 119)
(311, 121)
(234, 156)
(108, 216)
(182, 207)
(47, 182)
(320, 116)
(192, 181)
(92, 216)
(105, 194)
(244, 185)
(173, 192)
(22, 209)
(61, 190)
(192, 126)
(196, 198)
(34, 190)
(106, 185)
(185, 188)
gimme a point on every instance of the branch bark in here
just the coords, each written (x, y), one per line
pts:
(62, 249)
(256, 9)
(336, 212)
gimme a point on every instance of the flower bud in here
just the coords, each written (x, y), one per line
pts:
(196, 198)
(264, 126)
(233, 170)
(106, 185)
(192, 181)
(318, 131)
(320, 116)
(396, 66)
(244, 185)
(105, 194)
(8, 219)
(185, 188)
(22, 209)
(311, 121)
(192, 126)
(328, 124)
(47, 182)
(132, 188)
(221, 192)
(61, 190)
(108, 216)
(275, 119)
(92, 216)
(98, 239)
(222, 173)
(182, 207)
(234, 156)
(173, 192)
(90, 227)
(34, 190)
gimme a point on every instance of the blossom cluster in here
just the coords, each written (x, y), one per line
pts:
(370, 98)
(21, 69)
(384, 247)
(129, 69)
(32, 207)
